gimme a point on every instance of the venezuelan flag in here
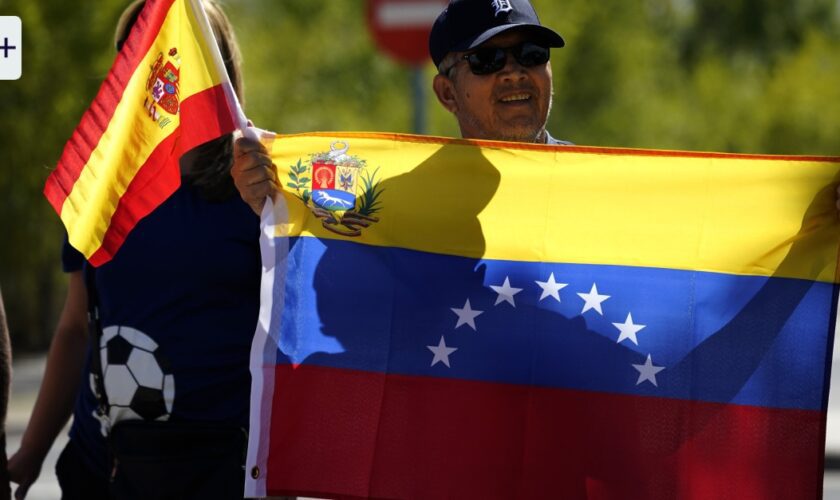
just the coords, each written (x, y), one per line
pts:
(166, 93)
(498, 320)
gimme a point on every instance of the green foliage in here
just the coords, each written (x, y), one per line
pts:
(676, 75)
(800, 112)
(298, 181)
(763, 29)
(369, 201)
(727, 75)
(66, 53)
(311, 65)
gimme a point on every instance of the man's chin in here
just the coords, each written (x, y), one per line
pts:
(529, 134)
(519, 129)
(515, 129)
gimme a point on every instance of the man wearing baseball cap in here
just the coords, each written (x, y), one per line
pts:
(494, 75)
(494, 72)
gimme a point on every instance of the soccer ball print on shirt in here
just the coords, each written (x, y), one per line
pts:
(136, 377)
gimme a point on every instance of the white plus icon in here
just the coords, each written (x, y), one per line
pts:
(11, 36)
(6, 48)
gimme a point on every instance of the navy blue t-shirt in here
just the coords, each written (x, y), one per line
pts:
(178, 305)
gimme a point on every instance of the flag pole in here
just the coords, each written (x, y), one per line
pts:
(230, 94)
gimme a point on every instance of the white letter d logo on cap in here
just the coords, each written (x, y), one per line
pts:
(502, 6)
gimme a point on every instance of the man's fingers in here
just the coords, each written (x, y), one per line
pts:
(251, 160)
(253, 173)
(254, 176)
(244, 145)
(256, 194)
(255, 186)
(260, 176)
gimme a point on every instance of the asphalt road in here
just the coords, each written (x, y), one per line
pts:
(26, 379)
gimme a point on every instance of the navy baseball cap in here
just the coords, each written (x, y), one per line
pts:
(466, 24)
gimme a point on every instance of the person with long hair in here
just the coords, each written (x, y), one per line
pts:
(178, 307)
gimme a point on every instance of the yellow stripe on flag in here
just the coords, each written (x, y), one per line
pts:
(131, 135)
(715, 213)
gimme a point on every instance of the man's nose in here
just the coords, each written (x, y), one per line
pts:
(512, 69)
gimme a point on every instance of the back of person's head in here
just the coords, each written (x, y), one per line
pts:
(210, 171)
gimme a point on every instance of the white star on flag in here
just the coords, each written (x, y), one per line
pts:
(506, 292)
(466, 315)
(551, 288)
(441, 352)
(628, 330)
(647, 371)
(593, 300)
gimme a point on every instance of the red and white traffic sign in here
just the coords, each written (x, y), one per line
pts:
(401, 27)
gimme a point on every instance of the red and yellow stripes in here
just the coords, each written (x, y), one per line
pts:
(163, 96)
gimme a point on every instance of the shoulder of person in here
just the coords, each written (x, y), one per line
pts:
(556, 142)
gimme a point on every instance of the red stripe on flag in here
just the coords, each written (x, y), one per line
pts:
(205, 116)
(160, 176)
(156, 180)
(342, 433)
(95, 121)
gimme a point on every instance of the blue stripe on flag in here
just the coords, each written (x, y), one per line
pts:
(717, 338)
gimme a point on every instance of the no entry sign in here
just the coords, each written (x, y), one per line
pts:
(401, 27)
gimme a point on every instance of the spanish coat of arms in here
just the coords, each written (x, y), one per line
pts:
(162, 87)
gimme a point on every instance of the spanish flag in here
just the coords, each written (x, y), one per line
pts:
(444, 318)
(166, 93)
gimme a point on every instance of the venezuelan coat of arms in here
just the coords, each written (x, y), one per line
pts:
(338, 188)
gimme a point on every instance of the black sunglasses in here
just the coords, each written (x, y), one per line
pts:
(487, 60)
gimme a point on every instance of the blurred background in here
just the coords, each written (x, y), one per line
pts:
(745, 76)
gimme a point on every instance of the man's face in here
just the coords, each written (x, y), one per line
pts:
(511, 104)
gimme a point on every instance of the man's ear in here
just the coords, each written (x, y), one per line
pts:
(445, 92)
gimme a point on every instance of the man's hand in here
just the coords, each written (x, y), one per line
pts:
(254, 175)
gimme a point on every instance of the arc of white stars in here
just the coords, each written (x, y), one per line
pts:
(593, 300)
(441, 352)
(551, 288)
(628, 330)
(506, 292)
(466, 315)
(648, 371)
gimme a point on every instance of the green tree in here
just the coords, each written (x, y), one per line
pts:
(67, 51)
(760, 28)
(311, 65)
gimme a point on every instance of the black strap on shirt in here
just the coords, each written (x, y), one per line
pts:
(95, 330)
